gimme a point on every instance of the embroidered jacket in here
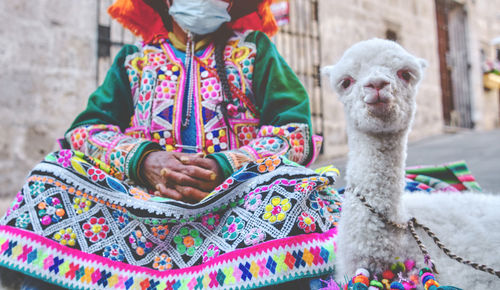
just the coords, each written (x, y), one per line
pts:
(139, 107)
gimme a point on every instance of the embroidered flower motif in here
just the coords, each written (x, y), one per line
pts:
(255, 236)
(305, 186)
(36, 188)
(139, 194)
(65, 158)
(162, 262)
(317, 203)
(50, 211)
(23, 220)
(77, 138)
(275, 211)
(252, 201)
(268, 164)
(113, 252)
(211, 252)
(160, 232)
(121, 218)
(225, 184)
(95, 229)
(81, 204)
(15, 204)
(139, 242)
(187, 241)
(307, 222)
(66, 237)
(210, 221)
(117, 160)
(96, 174)
(231, 227)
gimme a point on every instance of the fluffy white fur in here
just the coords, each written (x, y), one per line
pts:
(376, 80)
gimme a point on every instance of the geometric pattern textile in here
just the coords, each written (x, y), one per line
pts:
(74, 224)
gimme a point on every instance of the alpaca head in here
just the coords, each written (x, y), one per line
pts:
(377, 81)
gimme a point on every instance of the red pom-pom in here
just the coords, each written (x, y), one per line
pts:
(388, 275)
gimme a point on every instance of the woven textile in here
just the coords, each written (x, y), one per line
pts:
(75, 225)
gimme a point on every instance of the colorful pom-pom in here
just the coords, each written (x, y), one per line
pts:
(424, 270)
(376, 284)
(362, 271)
(388, 274)
(397, 286)
(361, 279)
(359, 286)
(398, 267)
(409, 264)
(386, 283)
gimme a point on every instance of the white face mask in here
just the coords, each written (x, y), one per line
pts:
(200, 17)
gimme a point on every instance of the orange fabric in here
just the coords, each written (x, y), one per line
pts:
(145, 22)
(139, 18)
(262, 20)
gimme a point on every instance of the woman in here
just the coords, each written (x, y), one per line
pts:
(183, 169)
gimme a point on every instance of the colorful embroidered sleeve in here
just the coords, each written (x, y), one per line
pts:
(285, 124)
(98, 130)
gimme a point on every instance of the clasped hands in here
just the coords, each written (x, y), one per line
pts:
(181, 176)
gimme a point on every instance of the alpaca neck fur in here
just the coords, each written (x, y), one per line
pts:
(380, 156)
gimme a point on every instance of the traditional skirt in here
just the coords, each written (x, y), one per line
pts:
(76, 225)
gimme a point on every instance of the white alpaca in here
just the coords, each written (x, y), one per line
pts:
(376, 81)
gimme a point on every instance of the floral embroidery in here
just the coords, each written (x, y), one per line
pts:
(275, 211)
(50, 211)
(211, 252)
(23, 220)
(225, 184)
(187, 241)
(36, 188)
(66, 237)
(252, 201)
(160, 232)
(317, 203)
(162, 262)
(210, 221)
(113, 252)
(117, 160)
(121, 218)
(81, 204)
(96, 174)
(96, 229)
(268, 164)
(255, 236)
(65, 158)
(231, 228)
(77, 138)
(139, 194)
(305, 186)
(139, 242)
(307, 222)
(15, 204)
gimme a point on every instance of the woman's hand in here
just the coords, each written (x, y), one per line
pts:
(181, 176)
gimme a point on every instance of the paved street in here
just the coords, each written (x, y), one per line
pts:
(479, 149)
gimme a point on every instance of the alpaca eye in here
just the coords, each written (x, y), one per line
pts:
(405, 75)
(346, 83)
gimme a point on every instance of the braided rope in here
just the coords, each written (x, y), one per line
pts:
(411, 225)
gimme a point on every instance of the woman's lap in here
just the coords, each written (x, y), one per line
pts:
(271, 221)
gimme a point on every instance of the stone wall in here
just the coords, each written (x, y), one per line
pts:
(48, 60)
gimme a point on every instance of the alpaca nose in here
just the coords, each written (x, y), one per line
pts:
(377, 84)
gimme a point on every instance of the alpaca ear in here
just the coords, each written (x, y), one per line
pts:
(423, 63)
(328, 71)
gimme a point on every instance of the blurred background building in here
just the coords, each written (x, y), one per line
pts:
(55, 53)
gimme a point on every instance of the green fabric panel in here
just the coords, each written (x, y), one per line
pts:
(224, 164)
(111, 103)
(278, 91)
